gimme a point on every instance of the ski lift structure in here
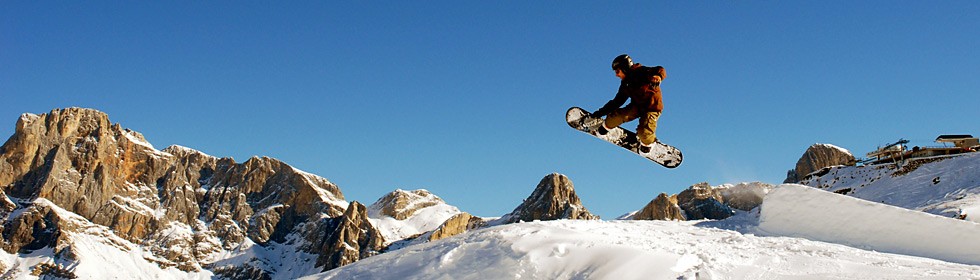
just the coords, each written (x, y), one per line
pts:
(893, 152)
(899, 151)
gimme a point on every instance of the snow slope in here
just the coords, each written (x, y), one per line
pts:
(574, 249)
(795, 210)
(947, 186)
(425, 220)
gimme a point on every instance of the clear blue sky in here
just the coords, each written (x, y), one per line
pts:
(468, 99)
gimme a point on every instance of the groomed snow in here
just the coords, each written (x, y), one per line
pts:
(795, 210)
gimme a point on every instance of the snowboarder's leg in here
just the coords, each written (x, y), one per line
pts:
(621, 115)
(646, 130)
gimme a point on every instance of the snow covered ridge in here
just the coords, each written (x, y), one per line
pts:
(404, 214)
(945, 186)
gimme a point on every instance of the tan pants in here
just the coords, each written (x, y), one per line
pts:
(646, 130)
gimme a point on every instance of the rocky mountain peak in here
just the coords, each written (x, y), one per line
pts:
(76, 161)
(663, 207)
(819, 156)
(401, 204)
(701, 201)
(554, 198)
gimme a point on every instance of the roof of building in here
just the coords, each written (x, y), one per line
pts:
(954, 137)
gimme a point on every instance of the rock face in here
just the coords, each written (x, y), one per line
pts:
(78, 161)
(554, 198)
(460, 223)
(817, 157)
(700, 201)
(35, 229)
(661, 208)
(347, 238)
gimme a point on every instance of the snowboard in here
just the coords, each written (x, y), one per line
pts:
(661, 153)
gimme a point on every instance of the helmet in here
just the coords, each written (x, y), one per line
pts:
(622, 62)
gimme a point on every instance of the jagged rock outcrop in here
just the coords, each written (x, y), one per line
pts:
(37, 227)
(698, 191)
(6, 206)
(401, 204)
(554, 198)
(819, 156)
(348, 238)
(700, 201)
(180, 204)
(661, 208)
(460, 223)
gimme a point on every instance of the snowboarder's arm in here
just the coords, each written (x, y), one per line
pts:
(659, 74)
(616, 102)
(656, 100)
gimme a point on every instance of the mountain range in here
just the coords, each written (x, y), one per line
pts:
(86, 198)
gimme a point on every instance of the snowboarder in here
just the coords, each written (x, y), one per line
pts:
(641, 85)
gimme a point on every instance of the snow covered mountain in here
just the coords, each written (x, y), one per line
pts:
(404, 214)
(82, 197)
(83, 193)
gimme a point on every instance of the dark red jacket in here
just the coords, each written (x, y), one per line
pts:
(639, 89)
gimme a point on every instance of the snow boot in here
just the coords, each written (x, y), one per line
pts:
(602, 130)
(645, 148)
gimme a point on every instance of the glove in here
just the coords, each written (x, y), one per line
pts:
(596, 115)
(655, 80)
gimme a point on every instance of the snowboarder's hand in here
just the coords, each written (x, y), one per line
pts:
(595, 115)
